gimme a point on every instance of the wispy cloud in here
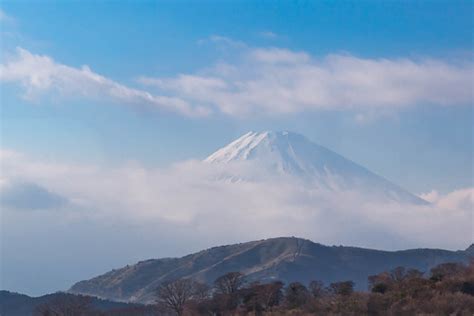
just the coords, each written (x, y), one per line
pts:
(40, 75)
(5, 18)
(263, 82)
(278, 56)
(269, 81)
(223, 40)
(272, 81)
(268, 34)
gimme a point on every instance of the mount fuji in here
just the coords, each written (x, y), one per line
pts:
(287, 155)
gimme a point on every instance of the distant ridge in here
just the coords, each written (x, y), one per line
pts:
(15, 304)
(286, 259)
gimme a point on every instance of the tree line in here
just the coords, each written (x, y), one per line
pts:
(448, 289)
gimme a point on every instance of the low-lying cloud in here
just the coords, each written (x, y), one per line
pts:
(194, 195)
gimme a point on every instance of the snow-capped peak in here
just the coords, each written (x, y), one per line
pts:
(285, 152)
(288, 153)
(249, 145)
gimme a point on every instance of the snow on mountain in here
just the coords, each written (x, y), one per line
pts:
(290, 154)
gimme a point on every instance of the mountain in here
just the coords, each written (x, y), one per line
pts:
(15, 304)
(291, 154)
(285, 259)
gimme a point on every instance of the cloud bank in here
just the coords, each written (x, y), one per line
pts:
(261, 81)
(192, 195)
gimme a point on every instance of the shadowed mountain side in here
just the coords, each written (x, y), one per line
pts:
(287, 259)
(15, 304)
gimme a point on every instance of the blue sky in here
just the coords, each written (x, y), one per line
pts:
(125, 40)
(87, 87)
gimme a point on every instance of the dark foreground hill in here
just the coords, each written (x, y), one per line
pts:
(15, 304)
(285, 259)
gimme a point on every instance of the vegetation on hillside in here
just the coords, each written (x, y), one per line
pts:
(448, 289)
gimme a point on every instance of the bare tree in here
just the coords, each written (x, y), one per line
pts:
(229, 283)
(271, 294)
(176, 294)
(202, 292)
(446, 269)
(296, 295)
(317, 288)
(262, 297)
(344, 288)
(397, 274)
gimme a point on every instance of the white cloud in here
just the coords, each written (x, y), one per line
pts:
(39, 74)
(278, 56)
(2, 15)
(455, 200)
(263, 81)
(187, 198)
(431, 196)
(268, 81)
(268, 34)
(5, 18)
(218, 39)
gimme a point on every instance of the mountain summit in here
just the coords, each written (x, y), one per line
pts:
(291, 154)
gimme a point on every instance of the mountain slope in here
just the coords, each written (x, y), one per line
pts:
(291, 154)
(286, 259)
